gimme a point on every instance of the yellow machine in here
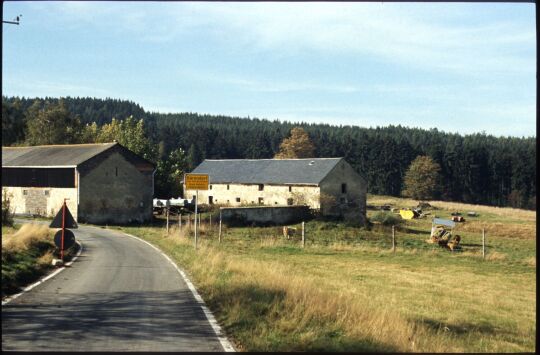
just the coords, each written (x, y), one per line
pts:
(408, 214)
(441, 233)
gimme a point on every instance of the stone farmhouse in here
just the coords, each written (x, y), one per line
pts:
(105, 183)
(328, 185)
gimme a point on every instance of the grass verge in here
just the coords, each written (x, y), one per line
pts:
(27, 254)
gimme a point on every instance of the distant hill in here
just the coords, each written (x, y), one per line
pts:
(476, 168)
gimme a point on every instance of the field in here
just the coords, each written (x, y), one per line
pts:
(347, 291)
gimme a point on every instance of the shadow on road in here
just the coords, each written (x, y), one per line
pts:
(155, 321)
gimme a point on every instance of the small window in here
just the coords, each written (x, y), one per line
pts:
(210, 187)
(25, 192)
(275, 203)
(261, 201)
(261, 187)
(228, 201)
(46, 192)
(343, 188)
(227, 187)
(238, 199)
(210, 200)
(116, 171)
(289, 201)
(290, 188)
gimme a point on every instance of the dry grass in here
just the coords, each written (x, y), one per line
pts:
(508, 230)
(531, 261)
(25, 237)
(524, 215)
(495, 256)
(515, 213)
(45, 259)
(305, 303)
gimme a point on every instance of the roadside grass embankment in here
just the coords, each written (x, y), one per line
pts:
(27, 254)
(347, 291)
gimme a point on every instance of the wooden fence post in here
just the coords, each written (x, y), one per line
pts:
(483, 243)
(303, 235)
(167, 221)
(219, 226)
(179, 221)
(393, 239)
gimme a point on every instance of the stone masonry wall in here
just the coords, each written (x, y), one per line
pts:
(249, 194)
(352, 204)
(115, 192)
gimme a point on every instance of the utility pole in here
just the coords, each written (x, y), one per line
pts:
(15, 21)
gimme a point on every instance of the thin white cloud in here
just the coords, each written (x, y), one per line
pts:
(391, 32)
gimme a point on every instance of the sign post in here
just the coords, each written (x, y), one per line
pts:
(196, 203)
(63, 230)
(63, 220)
(196, 182)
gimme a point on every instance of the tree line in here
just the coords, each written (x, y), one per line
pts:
(476, 168)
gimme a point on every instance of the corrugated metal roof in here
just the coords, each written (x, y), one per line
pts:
(268, 171)
(66, 155)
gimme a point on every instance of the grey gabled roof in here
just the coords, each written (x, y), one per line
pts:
(68, 155)
(268, 171)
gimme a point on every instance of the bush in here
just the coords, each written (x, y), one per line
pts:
(7, 216)
(386, 218)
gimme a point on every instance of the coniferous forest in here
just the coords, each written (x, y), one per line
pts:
(477, 168)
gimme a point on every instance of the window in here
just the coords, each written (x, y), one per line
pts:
(343, 188)
(275, 203)
(25, 192)
(227, 187)
(290, 188)
(116, 171)
(46, 192)
(289, 201)
(238, 199)
(261, 201)
(210, 200)
(261, 187)
(210, 187)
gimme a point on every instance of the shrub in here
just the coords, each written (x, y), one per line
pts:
(7, 216)
(386, 218)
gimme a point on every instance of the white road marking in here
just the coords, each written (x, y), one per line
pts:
(42, 280)
(227, 346)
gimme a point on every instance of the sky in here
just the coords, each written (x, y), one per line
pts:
(458, 67)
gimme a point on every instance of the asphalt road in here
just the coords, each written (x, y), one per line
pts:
(119, 295)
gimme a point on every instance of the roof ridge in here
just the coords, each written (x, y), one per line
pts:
(58, 145)
(273, 159)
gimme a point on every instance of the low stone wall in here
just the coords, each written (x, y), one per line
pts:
(264, 215)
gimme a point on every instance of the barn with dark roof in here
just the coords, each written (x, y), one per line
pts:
(103, 182)
(329, 185)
